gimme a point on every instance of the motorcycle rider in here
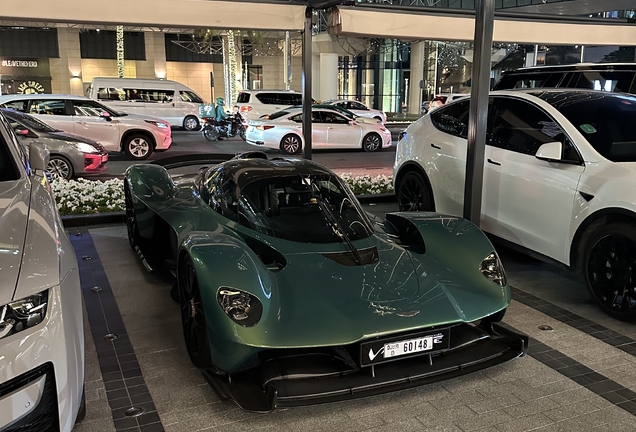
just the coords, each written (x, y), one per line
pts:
(219, 114)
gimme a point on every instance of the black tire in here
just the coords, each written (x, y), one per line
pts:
(210, 135)
(60, 167)
(131, 219)
(291, 144)
(413, 193)
(81, 414)
(193, 316)
(191, 123)
(372, 142)
(241, 132)
(378, 118)
(138, 147)
(609, 268)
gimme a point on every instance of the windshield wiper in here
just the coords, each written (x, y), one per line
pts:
(335, 224)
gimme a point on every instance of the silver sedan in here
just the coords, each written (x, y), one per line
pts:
(283, 130)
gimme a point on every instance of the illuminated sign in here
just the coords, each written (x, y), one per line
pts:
(20, 63)
(30, 87)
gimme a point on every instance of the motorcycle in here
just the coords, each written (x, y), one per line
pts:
(230, 127)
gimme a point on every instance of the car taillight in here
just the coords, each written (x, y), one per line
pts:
(264, 127)
(246, 108)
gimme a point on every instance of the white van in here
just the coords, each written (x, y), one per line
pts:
(167, 100)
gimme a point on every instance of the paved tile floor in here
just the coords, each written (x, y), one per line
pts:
(580, 376)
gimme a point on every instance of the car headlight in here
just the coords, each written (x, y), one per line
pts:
(23, 314)
(492, 268)
(85, 148)
(158, 124)
(242, 308)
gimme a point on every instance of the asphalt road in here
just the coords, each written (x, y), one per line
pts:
(356, 161)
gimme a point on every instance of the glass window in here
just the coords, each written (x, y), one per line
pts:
(332, 117)
(315, 117)
(48, 107)
(8, 168)
(357, 106)
(522, 127)
(30, 122)
(609, 81)
(452, 119)
(190, 96)
(243, 98)
(278, 114)
(87, 109)
(305, 209)
(157, 96)
(20, 105)
(531, 80)
(607, 124)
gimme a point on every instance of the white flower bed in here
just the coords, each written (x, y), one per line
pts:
(94, 196)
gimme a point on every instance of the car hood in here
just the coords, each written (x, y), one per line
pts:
(14, 210)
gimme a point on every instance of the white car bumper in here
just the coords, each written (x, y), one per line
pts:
(42, 368)
(387, 141)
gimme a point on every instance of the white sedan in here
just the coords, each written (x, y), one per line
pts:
(41, 325)
(358, 108)
(559, 180)
(283, 130)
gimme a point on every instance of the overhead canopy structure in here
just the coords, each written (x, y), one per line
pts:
(424, 25)
(574, 7)
(223, 14)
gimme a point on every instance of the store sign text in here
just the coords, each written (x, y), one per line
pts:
(20, 63)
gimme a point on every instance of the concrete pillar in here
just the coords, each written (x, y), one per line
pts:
(328, 76)
(155, 64)
(66, 70)
(417, 76)
(315, 72)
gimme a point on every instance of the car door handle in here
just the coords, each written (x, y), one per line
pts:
(434, 146)
(493, 162)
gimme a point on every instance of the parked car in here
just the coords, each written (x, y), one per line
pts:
(444, 98)
(283, 130)
(358, 108)
(558, 183)
(71, 155)
(41, 324)
(168, 100)
(345, 112)
(136, 135)
(252, 104)
(612, 77)
(291, 295)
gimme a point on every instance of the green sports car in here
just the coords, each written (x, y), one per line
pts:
(291, 294)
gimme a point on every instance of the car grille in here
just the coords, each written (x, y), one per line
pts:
(44, 418)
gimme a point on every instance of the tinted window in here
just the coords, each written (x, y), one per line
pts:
(278, 114)
(134, 94)
(8, 168)
(452, 119)
(530, 80)
(16, 105)
(298, 208)
(315, 117)
(607, 122)
(522, 127)
(87, 108)
(243, 98)
(30, 122)
(602, 80)
(332, 117)
(189, 96)
(49, 106)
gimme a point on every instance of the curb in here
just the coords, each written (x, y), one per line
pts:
(72, 221)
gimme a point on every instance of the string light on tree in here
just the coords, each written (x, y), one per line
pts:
(120, 51)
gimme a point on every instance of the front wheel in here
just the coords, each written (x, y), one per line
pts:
(191, 123)
(59, 168)
(291, 144)
(210, 134)
(372, 142)
(193, 316)
(413, 193)
(138, 147)
(609, 268)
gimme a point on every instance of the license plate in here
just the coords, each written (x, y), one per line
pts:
(388, 349)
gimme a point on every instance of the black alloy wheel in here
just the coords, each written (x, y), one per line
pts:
(610, 269)
(193, 316)
(372, 142)
(290, 144)
(131, 218)
(210, 134)
(413, 193)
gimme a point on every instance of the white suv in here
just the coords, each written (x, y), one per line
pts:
(559, 180)
(252, 104)
(137, 135)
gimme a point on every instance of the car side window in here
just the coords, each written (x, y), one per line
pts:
(87, 109)
(358, 106)
(452, 119)
(7, 167)
(19, 105)
(332, 117)
(521, 127)
(48, 107)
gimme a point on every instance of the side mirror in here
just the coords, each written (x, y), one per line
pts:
(38, 157)
(106, 116)
(550, 151)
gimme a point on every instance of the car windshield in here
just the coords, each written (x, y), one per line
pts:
(306, 209)
(606, 121)
(30, 122)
